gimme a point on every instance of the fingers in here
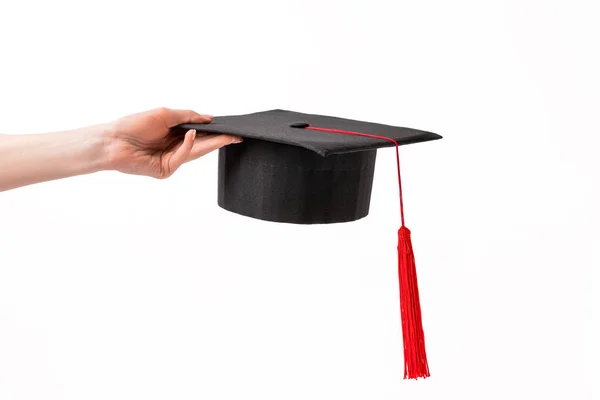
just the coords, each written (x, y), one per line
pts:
(205, 144)
(180, 154)
(176, 117)
(192, 148)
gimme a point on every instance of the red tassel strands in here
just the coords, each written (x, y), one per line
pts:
(415, 358)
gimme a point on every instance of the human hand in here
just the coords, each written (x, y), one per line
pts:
(141, 144)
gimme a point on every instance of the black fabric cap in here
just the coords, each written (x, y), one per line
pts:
(280, 126)
(285, 173)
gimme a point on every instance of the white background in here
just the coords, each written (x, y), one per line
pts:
(123, 287)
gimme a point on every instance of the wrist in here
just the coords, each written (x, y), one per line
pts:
(96, 144)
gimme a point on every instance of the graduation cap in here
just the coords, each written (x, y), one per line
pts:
(314, 169)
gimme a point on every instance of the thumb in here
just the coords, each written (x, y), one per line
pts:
(176, 157)
(205, 144)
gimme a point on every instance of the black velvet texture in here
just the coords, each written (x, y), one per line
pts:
(276, 182)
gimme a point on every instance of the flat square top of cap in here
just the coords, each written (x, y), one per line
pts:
(286, 127)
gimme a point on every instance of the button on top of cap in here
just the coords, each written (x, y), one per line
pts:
(299, 125)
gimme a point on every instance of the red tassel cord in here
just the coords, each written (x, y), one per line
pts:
(415, 358)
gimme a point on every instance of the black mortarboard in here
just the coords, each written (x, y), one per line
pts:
(313, 169)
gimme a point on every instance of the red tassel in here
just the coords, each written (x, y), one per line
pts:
(415, 358)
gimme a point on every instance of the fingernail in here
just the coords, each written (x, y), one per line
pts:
(208, 116)
(193, 134)
(237, 140)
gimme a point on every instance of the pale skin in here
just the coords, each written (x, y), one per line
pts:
(139, 144)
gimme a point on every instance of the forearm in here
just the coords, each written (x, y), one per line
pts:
(28, 159)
